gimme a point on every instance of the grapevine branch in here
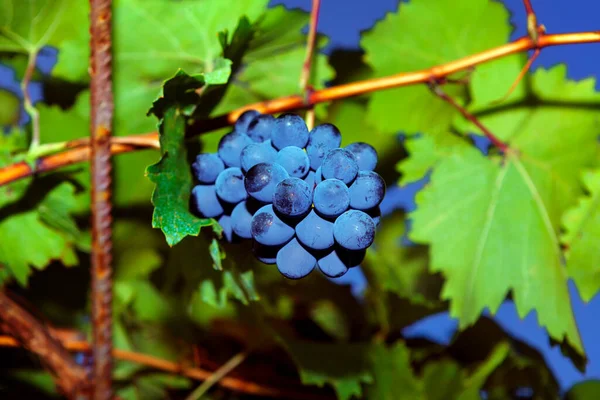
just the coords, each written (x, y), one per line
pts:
(31, 334)
(101, 127)
(232, 383)
(308, 61)
(21, 170)
(435, 88)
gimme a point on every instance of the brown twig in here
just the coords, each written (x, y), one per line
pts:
(435, 88)
(305, 74)
(521, 75)
(21, 170)
(232, 383)
(101, 127)
(31, 334)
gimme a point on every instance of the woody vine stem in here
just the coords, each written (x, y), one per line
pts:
(27, 332)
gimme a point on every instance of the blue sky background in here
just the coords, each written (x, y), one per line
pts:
(343, 20)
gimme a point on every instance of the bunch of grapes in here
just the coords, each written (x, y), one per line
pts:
(304, 201)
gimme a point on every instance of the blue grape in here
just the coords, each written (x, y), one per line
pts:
(205, 201)
(339, 164)
(225, 222)
(265, 254)
(260, 128)
(290, 130)
(354, 230)
(244, 120)
(318, 176)
(230, 185)
(256, 153)
(230, 148)
(207, 167)
(262, 179)
(310, 179)
(322, 139)
(292, 197)
(268, 229)
(241, 220)
(315, 232)
(375, 214)
(294, 160)
(337, 263)
(294, 261)
(331, 197)
(365, 154)
(367, 191)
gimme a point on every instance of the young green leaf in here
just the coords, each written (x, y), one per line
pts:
(582, 238)
(173, 180)
(453, 30)
(493, 228)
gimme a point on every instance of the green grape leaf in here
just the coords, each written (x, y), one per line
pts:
(393, 375)
(401, 269)
(173, 181)
(343, 366)
(545, 103)
(46, 241)
(461, 29)
(587, 390)
(582, 236)
(26, 27)
(492, 225)
(424, 153)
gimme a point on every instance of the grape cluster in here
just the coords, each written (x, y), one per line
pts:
(303, 200)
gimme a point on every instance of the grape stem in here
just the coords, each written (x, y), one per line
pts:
(21, 170)
(305, 74)
(239, 385)
(437, 90)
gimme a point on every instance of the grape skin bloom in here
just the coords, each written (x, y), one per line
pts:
(268, 229)
(205, 201)
(322, 139)
(231, 146)
(354, 230)
(294, 160)
(294, 261)
(290, 130)
(340, 164)
(292, 197)
(262, 179)
(207, 167)
(331, 198)
(230, 186)
(365, 155)
(315, 232)
(367, 191)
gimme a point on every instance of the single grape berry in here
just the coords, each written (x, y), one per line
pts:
(262, 179)
(244, 120)
(354, 230)
(241, 220)
(290, 130)
(230, 185)
(205, 201)
(331, 198)
(265, 254)
(322, 139)
(256, 153)
(260, 128)
(367, 190)
(294, 160)
(315, 232)
(207, 167)
(339, 164)
(337, 263)
(292, 197)
(365, 155)
(294, 261)
(225, 222)
(230, 148)
(268, 229)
